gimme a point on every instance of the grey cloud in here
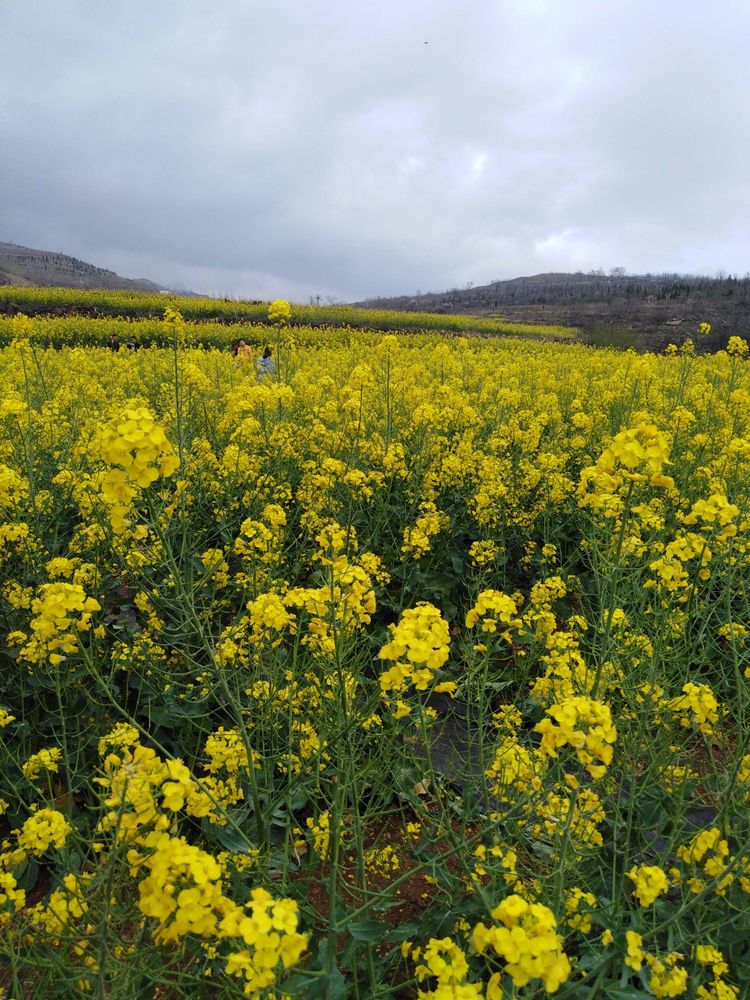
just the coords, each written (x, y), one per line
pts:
(277, 148)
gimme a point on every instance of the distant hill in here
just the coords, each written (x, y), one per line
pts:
(659, 307)
(24, 266)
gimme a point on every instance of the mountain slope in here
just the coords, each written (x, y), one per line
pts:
(24, 266)
(641, 303)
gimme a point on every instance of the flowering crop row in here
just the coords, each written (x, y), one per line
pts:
(83, 331)
(415, 666)
(35, 300)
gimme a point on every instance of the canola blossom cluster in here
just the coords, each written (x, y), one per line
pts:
(137, 453)
(413, 665)
(60, 613)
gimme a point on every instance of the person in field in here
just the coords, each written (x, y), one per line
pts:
(265, 364)
(244, 351)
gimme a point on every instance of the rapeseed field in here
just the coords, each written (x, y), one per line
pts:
(406, 665)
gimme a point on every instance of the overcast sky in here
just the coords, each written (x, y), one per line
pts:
(348, 148)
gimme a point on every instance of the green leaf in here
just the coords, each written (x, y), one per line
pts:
(228, 836)
(27, 881)
(318, 987)
(404, 932)
(367, 929)
(626, 993)
(498, 685)
(333, 987)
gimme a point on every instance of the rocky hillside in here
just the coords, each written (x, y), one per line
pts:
(24, 266)
(652, 306)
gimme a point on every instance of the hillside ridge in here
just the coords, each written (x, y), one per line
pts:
(593, 301)
(20, 265)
